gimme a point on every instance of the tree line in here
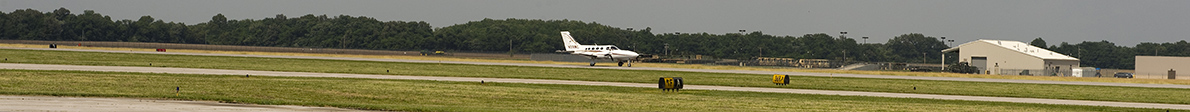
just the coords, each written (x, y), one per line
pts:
(511, 36)
(1104, 54)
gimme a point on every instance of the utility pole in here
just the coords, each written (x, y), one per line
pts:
(1155, 51)
(343, 41)
(761, 52)
(923, 57)
(509, 47)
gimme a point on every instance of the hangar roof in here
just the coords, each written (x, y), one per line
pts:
(1018, 46)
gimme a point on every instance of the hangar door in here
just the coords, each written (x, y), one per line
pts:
(981, 63)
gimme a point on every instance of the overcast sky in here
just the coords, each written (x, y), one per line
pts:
(1124, 22)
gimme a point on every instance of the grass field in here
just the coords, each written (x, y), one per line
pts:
(663, 65)
(1049, 91)
(414, 95)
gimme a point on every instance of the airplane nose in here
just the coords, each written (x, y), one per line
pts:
(632, 54)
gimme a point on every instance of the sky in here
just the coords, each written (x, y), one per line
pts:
(1124, 22)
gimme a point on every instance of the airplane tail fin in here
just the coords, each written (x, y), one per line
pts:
(569, 42)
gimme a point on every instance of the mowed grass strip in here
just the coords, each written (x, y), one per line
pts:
(415, 95)
(1049, 91)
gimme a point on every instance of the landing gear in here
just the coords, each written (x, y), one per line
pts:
(629, 63)
(592, 62)
(622, 63)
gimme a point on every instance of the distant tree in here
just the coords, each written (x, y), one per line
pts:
(1038, 42)
(1101, 54)
(916, 48)
(218, 20)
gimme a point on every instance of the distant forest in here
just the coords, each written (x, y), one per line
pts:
(516, 36)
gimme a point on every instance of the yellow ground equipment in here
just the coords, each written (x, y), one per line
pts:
(780, 79)
(670, 83)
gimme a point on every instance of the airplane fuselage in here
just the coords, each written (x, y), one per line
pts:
(597, 51)
(605, 52)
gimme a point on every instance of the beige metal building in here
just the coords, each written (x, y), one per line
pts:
(1007, 57)
(1157, 67)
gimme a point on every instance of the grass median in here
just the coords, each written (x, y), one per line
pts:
(416, 95)
(1049, 91)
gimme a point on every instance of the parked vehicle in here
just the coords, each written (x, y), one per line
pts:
(1123, 75)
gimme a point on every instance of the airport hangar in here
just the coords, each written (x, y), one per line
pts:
(1007, 57)
(1159, 67)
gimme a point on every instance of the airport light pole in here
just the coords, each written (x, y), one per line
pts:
(666, 49)
(844, 35)
(944, 41)
(951, 42)
(944, 53)
(627, 37)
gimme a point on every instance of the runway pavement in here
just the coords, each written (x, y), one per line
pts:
(90, 104)
(592, 83)
(661, 69)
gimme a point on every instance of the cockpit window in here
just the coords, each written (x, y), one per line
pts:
(614, 48)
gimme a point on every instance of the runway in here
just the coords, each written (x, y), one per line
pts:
(591, 83)
(89, 104)
(660, 69)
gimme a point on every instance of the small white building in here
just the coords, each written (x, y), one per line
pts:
(1008, 57)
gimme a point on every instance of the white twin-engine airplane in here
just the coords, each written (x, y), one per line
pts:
(598, 51)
